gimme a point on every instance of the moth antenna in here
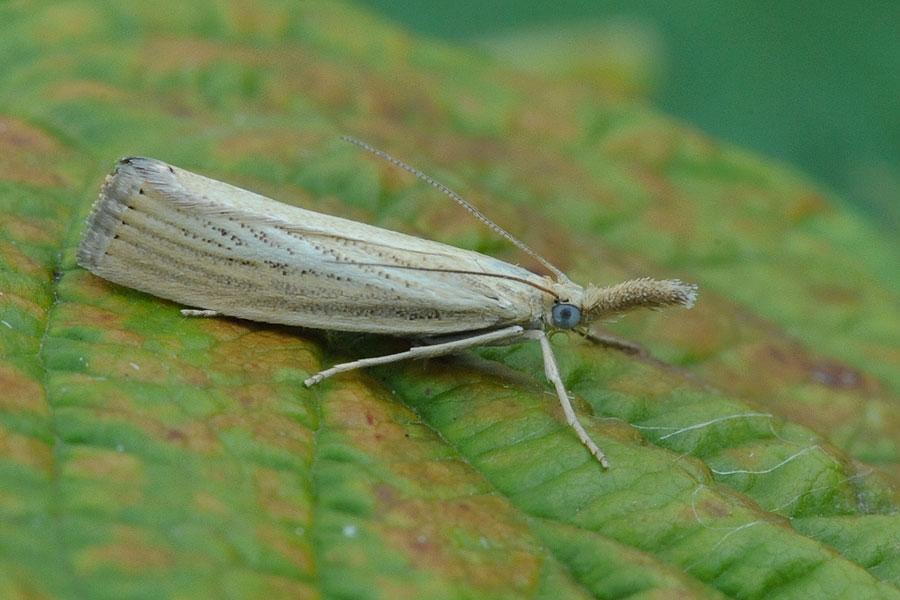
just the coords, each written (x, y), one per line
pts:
(458, 199)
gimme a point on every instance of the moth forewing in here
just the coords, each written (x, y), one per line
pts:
(214, 246)
(223, 249)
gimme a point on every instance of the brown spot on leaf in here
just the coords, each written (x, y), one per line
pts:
(25, 450)
(32, 230)
(129, 551)
(104, 464)
(27, 154)
(259, 354)
(785, 360)
(291, 547)
(175, 435)
(713, 506)
(279, 586)
(210, 504)
(272, 490)
(548, 120)
(805, 203)
(261, 416)
(112, 326)
(349, 409)
(38, 311)
(385, 494)
(12, 258)
(85, 89)
(196, 436)
(282, 146)
(836, 294)
(835, 375)
(20, 393)
(479, 540)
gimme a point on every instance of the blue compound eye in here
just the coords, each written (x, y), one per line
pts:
(566, 316)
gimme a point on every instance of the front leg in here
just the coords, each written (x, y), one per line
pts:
(506, 335)
(551, 370)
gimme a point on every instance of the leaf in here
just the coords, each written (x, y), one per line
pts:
(146, 455)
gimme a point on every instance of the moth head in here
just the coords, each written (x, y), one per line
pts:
(604, 302)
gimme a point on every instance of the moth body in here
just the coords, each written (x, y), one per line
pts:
(223, 249)
(204, 243)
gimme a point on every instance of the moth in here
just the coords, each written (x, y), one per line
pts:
(225, 250)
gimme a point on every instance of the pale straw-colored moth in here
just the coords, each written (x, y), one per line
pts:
(225, 250)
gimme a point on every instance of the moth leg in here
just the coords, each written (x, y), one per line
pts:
(198, 312)
(551, 369)
(613, 342)
(420, 352)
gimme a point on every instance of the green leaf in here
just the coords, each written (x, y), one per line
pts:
(755, 446)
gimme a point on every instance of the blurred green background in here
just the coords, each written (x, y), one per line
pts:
(811, 83)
